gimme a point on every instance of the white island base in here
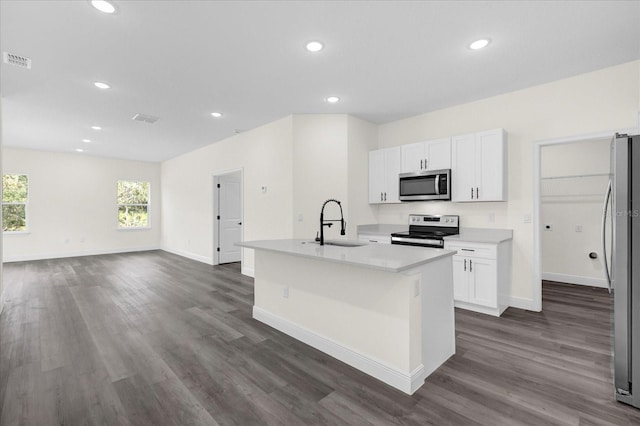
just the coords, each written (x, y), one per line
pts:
(396, 325)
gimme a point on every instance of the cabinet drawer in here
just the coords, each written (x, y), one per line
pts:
(486, 251)
(382, 239)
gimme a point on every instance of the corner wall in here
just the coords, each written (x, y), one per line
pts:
(604, 100)
(265, 156)
(72, 208)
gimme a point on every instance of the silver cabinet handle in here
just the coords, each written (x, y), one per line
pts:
(425, 164)
(421, 161)
(381, 198)
(472, 193)
(470, 265)
(465, 264)
(385, 196)
(373, 241)
(476, 192)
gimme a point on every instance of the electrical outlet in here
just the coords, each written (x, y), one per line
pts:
(527, 218)
(578, 228)
(300, 217)
(285, 292)
(548, 227)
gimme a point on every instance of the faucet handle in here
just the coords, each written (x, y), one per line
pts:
(317, 236)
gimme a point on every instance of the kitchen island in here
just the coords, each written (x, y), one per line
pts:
(386, 310)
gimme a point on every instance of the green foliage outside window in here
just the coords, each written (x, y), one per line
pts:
(15, 194)
(133, 204)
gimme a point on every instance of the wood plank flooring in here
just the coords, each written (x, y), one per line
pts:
(155, 339)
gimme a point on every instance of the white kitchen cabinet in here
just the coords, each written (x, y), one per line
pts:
(479, 166)
(384, 168)
(429, 155)
(375, 239)
(481, 275)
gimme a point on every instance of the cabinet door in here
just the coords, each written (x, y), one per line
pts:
(460, 279)
(484, 281)
(463, 167)
(392, 170)
(376, 176)
(412, 157)
(438, 154)
(491, 165)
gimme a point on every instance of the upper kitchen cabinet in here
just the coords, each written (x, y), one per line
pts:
(479, 166)
(384, 168)
(429, 155)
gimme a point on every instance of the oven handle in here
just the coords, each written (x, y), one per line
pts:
(440, 243)
(437, 184)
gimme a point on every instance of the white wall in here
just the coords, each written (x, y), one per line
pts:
(363, 137)
(72, 207)
(319, 172)
(265, 156)
(607, 99)
(302, 160)
(568, 201)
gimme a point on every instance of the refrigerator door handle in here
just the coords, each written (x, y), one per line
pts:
(605, 209)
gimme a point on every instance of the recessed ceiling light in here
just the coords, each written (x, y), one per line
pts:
(314, 46)
(479, 44)
(103, 6)
(79, 150)
(333, 99)
(96, 127)
(86, 140)
(216, 114)
(101, 85)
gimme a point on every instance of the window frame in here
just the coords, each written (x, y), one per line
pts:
(26, 207)
(148, 206)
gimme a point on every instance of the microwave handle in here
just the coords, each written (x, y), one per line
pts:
(438, 184)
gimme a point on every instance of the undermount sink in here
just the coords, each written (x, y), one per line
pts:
(341, 243)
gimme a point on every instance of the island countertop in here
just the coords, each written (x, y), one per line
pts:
(385, 257)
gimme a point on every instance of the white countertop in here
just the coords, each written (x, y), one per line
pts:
(482, 235)
(385, 257)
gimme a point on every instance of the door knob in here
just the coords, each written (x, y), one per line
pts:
(239, 223)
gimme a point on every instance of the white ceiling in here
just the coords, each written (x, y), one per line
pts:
(181, 60)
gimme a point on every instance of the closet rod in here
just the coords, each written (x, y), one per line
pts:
(576, 176)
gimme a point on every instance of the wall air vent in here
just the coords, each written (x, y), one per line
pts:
(17, 60)
(145, 118)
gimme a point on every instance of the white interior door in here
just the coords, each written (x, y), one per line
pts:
(229, 217)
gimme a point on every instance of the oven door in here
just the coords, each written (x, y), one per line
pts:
(421, 186)
(418, 242)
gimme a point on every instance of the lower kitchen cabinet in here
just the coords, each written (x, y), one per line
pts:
(481, 275)
(371, 238)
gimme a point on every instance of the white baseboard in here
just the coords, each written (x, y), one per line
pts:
(521, 303)
(42, 256)
(189, 255)
(407, 382)
(248, 272)
(575, 279)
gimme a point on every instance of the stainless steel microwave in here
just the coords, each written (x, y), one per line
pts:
(429, 185)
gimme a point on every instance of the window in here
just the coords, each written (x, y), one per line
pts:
(15, 195)
(133, 204)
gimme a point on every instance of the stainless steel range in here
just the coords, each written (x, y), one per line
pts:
(427, 230)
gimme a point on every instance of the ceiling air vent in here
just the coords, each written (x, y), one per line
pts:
(145, 118)
(17, 60)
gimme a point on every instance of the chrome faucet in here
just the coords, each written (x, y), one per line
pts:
(329, 222)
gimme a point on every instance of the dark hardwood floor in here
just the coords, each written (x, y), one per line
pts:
(155, 339)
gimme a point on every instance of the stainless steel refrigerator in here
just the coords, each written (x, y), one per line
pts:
(624, 274)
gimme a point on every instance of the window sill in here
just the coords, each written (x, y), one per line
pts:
(138, 228)
(5, 233)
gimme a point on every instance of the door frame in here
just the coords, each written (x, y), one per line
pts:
(215, 234)
(537, 227)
